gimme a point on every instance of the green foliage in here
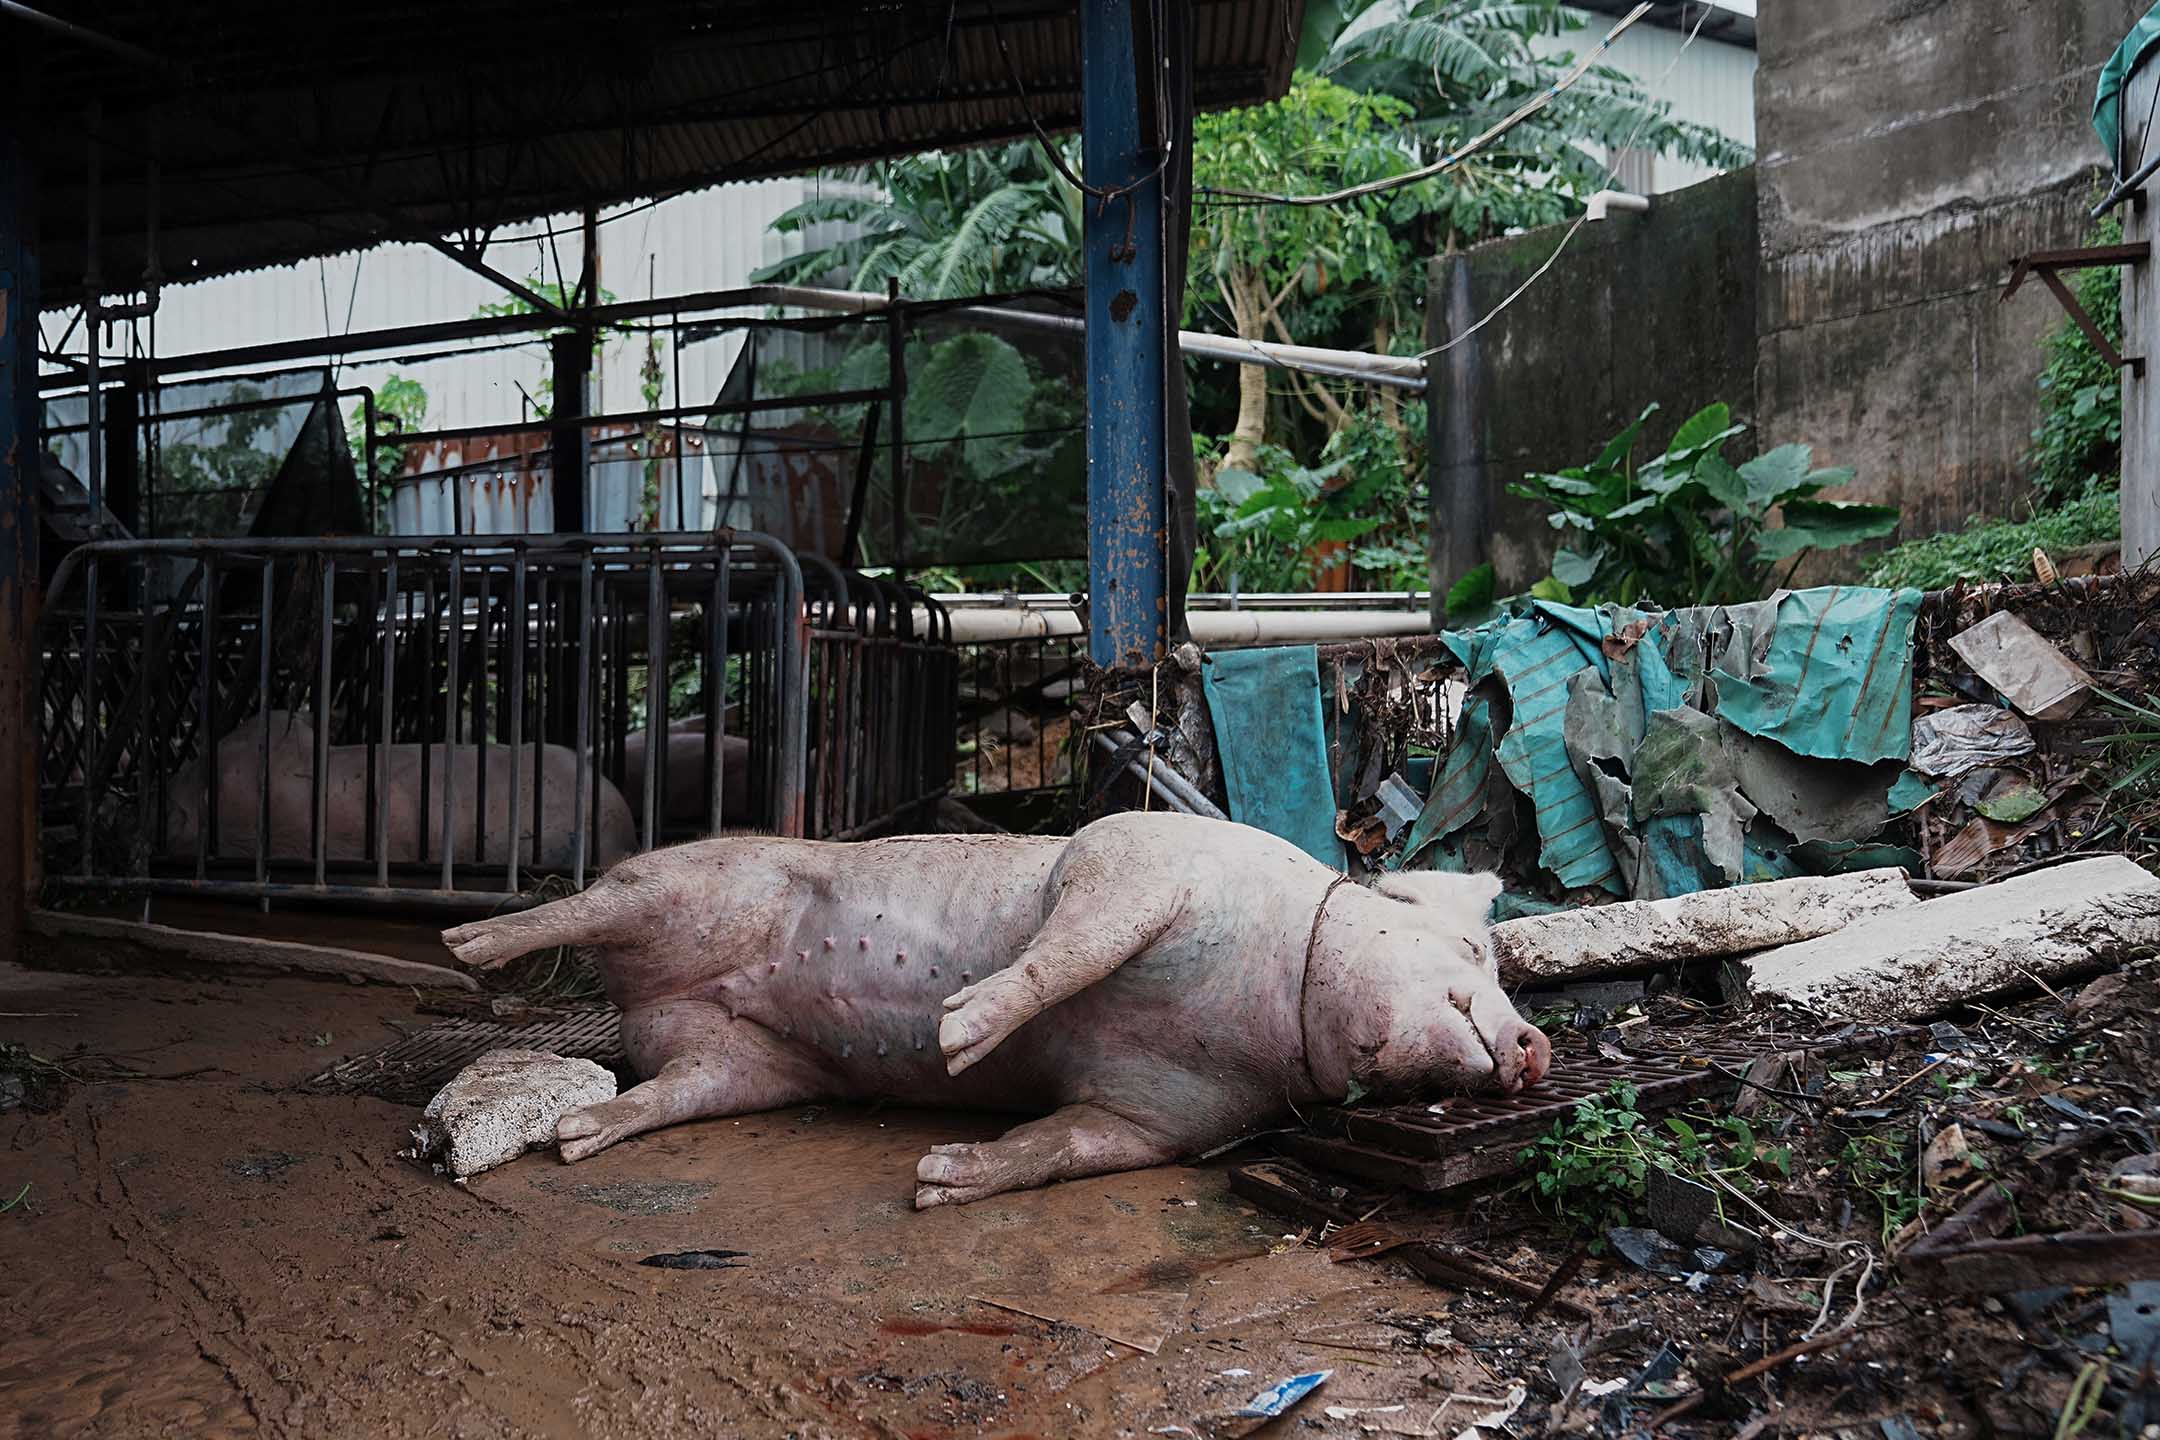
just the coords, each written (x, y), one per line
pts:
(1262, 529)
(1590, 1169)
(999, 435)
(1688, 527)
(562, 297)
(1319, 136)
(2078, 445)
(946, 225)
(208, 467)
(1460, 67)
(1879, 1167)
(400, 404)
(1264, 526)
(1988, 550)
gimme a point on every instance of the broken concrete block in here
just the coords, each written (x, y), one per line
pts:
(1646, 934)
(502, 1105)
(2024, 667)
(1919, 962)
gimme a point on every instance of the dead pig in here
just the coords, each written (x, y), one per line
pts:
(415, 812)
(1161, 983)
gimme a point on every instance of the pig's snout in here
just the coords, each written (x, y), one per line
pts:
(1521, 1056)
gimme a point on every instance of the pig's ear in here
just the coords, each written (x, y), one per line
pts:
(1468, 895)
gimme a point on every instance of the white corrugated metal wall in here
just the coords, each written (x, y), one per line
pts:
(710, 240)
(1710, 82)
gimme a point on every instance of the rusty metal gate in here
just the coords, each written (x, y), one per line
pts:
(373, 719)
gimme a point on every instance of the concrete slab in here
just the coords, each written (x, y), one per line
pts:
(1913, 963)
(1637, 935)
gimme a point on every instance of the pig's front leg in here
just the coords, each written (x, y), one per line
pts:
(1096, 925)
(1075, 1141)
(704, 1063)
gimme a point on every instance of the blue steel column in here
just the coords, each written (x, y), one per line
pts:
(19, 465)
(1126, 327)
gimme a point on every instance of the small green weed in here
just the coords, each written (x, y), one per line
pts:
(1877, 1167)
(1590, 1169)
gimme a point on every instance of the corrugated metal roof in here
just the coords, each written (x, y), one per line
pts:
(283, 131)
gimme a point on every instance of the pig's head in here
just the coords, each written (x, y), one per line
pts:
(1402, 997)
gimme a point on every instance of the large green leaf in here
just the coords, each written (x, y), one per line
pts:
(1825, 525)
(973, 392)
(1778, 475)
(1474, 591)
(1706, 425)
(1238, 485)
(1576, 568)
(1616, 450)
(1724, 484)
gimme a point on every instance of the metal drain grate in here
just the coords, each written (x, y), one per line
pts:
(412, 1070)
(1475, 1137)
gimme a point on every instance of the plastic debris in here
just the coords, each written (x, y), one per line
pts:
(1965, 737)
(1283, 1394)
(2024, 667)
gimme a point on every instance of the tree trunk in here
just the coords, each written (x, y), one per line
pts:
(1247, 291)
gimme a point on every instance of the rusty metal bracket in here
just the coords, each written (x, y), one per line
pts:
(2047, 263)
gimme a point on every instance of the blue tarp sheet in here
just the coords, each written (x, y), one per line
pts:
(1268, 731)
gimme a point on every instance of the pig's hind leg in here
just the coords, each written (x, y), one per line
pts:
(704, 1063)
(1075, 1141)
(1098, 923)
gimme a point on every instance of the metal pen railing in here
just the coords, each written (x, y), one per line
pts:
(423, 721)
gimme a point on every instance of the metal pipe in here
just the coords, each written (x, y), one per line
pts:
(324, 642)
(1208, 627)
(81, 35)
(1603, 204)
(516, 702)
(1156, 781)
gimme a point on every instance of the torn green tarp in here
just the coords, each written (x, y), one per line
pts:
(2114, 78)
(1268, 719)
(1666, 752)
(1817, 673)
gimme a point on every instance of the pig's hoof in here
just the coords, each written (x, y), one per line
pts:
(989, 1013)
(956, 1174)
(585, 1132)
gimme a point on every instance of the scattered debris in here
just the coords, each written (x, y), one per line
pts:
(1949, 743)
(1637, 935)
(1137, 1319)
(1990, 940)
(2029, 672)
(502, 1105)
(1279, 1397)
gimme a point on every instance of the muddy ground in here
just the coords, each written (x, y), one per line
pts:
(219, 1254)
(203, 1249)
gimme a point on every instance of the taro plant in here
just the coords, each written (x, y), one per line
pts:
(1688, 527)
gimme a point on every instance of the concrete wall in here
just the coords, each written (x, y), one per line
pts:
(1657, 307)
(1907, 150)
(1844, 293)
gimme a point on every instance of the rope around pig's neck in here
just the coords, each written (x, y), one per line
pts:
(1312, 940)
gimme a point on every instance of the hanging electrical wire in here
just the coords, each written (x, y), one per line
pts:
(1445, 163)
(1165, 148)
(1580, 220)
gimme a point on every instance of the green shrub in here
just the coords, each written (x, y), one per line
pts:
(2000, 549)
(2079, 441)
